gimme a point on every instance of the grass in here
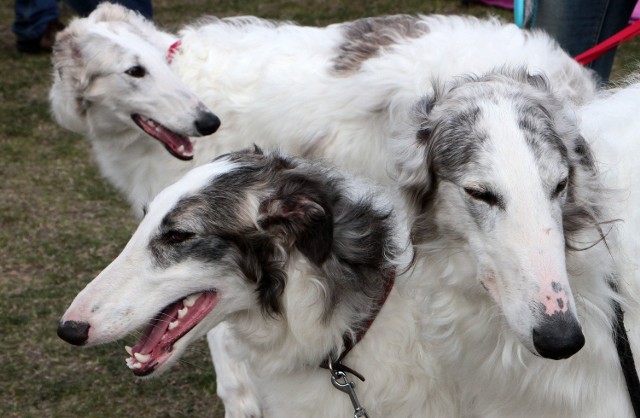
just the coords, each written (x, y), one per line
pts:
(60, 224)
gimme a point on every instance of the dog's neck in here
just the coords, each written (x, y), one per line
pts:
(305, 335)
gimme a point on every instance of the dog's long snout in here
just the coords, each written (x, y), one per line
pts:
(559, 336)
(207, 123)
(74, 332)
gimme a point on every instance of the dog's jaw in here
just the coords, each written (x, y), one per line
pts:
(179, 146)
(175, 321)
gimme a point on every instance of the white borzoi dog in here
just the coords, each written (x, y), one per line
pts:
(331, 92)
(296, 258)
(514, 243)
(317, 92)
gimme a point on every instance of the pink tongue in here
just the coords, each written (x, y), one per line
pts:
(157, 339)
(158, 327)
(178, 145)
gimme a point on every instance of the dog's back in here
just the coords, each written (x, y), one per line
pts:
(335, 93)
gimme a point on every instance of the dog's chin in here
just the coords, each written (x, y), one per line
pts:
(169, 333)
(180, 146)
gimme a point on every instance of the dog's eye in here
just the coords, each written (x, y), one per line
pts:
(176, 236)
(136, 71)
(561, 187)
(482, 195)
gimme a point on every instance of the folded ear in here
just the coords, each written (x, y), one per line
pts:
(67, 92)
(299, 214)
(67, 56)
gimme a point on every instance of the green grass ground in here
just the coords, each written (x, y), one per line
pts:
(60, 224)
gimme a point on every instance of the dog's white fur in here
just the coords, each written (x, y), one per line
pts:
(270, 83)
(483, 336)
(611, 125)
(402, 378)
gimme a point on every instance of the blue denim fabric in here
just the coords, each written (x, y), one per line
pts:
(580, 24)
(33, 16)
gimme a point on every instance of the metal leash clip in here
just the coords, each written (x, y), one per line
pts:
(342, 383)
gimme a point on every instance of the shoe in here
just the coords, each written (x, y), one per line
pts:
(44, 44)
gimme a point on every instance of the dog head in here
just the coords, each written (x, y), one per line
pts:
(111, 77)
(496, 166)
(249, 239)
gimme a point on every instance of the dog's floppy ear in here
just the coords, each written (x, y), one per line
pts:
(67, 56)
(416, 178)
(299, 215)
(66, 96)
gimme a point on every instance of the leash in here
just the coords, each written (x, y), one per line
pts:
(339, 378)
(597, 51)
(626, 357)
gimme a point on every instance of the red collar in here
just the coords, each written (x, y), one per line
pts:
(336, 365)
(172, 50)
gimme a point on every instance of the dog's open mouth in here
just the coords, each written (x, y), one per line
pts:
(178, 145)
(171, 324)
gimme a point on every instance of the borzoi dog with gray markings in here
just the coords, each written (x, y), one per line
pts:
(513, 239)
(297, 259)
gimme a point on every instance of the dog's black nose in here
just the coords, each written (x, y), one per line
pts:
(558, 337)
(207, 123)
(74, 332)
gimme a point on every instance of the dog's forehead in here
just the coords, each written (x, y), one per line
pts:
(498, 119)
(193, 182)
(123, 35)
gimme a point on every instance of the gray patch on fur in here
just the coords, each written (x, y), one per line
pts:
(365, 38)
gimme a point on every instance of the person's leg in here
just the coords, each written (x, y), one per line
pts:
(578, 25)
(33, 16)
(85, 7)
(35, 25)
(616, 19)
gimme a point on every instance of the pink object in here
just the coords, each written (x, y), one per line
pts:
(505, 4)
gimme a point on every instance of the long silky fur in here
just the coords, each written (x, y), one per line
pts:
(496, 375)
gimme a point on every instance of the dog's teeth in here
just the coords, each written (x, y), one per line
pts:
(142, 358)
(129, 350)
(129, 362)
(182, 312)
(181, 148)
(136, 365)
(190, 300)
(172, 325)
